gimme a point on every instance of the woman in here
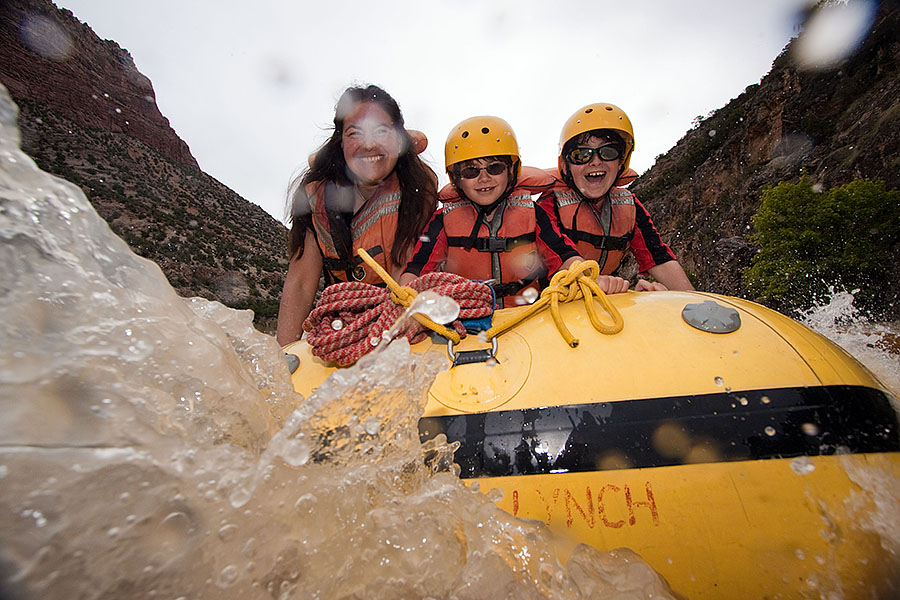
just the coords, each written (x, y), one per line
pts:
(366, 188)
(603, 220)
(488, 227)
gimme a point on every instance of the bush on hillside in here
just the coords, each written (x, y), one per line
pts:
(812, 239)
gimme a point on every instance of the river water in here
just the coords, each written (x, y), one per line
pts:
(152, 446)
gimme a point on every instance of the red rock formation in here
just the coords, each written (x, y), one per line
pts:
(49, 57)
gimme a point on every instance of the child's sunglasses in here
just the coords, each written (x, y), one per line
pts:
(582, 156)
(470, 172)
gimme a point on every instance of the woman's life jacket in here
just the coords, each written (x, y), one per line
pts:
(504, 250)
(340, 232)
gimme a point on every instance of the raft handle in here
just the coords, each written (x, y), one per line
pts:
(468, 357)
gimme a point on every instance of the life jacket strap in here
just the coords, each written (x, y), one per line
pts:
(601, 242)
(349, 265)
(493, 244)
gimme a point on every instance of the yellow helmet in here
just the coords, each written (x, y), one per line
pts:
(601, 115)
(479, 137)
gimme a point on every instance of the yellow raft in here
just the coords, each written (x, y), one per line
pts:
(739, 453)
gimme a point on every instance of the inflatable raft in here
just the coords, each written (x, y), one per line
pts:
(739, 453)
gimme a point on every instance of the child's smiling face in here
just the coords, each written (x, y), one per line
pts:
(485, 188)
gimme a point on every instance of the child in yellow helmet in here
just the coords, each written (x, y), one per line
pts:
(591, 207)
(488, 227)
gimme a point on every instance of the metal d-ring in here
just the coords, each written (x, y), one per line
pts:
(467, 357)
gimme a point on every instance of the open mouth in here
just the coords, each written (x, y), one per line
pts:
(595, 175)
(372, 159)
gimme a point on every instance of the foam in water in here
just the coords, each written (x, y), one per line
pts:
(875, 344)
(153, 446)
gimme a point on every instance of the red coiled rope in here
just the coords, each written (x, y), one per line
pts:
(349, 319)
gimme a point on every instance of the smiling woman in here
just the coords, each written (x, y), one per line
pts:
(366, 188)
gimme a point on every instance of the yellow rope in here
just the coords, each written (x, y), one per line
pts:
(579, 281)
(403, 295)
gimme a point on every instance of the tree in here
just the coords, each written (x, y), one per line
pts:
(811, 239)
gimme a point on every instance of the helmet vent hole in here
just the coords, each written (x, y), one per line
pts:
(485, 130)
(610, 108)
(590, 110)
(465, 134)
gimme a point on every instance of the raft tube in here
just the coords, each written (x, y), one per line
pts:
(741, 454)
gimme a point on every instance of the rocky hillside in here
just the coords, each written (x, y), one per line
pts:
(838, 125)
(88, 115)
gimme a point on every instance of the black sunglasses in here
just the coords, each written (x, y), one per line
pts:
(582, 156)
(470, 172)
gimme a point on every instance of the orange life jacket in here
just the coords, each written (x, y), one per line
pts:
(371, 228)
(506, 250)
(601, 230)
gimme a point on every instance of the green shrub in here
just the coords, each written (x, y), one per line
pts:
(812, 239)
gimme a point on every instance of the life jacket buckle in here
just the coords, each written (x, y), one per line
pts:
(497, 244)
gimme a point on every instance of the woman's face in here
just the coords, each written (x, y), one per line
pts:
(484, 189)
(371, 143)
(595, 178)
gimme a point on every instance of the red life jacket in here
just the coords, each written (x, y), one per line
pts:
(371, 228)
(506, 250)
(601, 230)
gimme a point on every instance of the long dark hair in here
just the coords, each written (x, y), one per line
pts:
(418, 183)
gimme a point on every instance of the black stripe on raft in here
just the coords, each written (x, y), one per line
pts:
(658, 432)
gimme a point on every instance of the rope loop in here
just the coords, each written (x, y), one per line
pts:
(566, 285)
(350, 318)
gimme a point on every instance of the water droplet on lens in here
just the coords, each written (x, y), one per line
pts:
(228, 576)
(530, 295)
(802, 466)
(439, 309)
(719, 381)
(226, 532)
(810, 429)
(337, 324)
(770, 431)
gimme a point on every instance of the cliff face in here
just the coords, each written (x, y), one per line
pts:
(838, 125)
(51, 58)
(89, 116)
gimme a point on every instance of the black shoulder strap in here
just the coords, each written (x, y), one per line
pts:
(339, 202)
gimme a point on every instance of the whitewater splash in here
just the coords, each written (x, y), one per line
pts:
(153, 446)
(874, 344)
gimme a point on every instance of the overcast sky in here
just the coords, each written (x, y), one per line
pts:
(251, 86)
